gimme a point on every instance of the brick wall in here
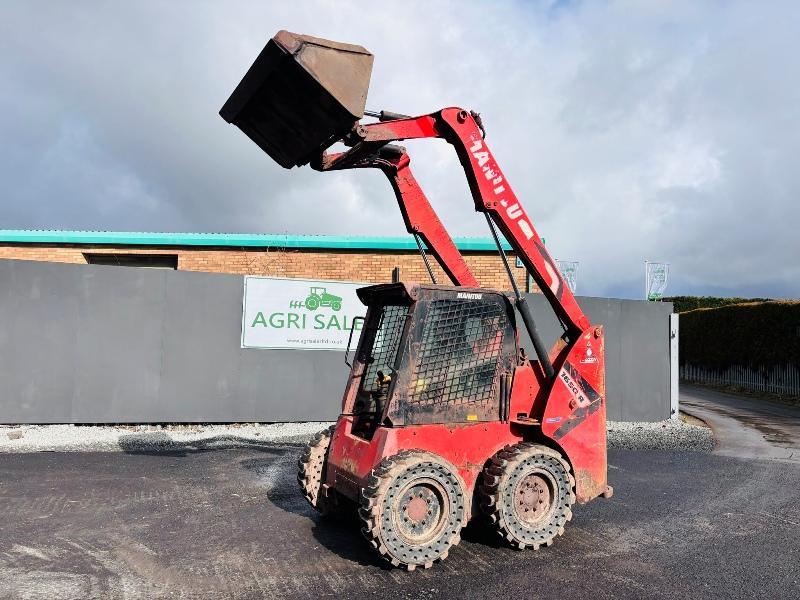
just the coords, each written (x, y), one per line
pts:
(347, 265)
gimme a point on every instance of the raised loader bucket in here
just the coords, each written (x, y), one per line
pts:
(300, 95)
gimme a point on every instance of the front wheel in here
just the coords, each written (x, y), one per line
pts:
(413, 510)
(528, 493)
(311, 471)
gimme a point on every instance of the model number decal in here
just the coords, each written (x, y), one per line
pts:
(586, 397)
(574, 390)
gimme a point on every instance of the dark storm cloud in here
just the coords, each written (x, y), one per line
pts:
(631, 131)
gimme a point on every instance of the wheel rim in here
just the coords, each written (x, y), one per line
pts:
(421, 511)
(533, 497)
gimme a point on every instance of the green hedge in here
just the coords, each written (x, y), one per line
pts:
(684, 303)
(756, 334)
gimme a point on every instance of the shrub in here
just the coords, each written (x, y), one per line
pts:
(754, 334)
(685, 303)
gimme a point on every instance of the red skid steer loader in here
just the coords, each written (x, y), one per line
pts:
(444, 417)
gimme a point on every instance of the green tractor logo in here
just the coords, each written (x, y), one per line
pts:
(318, 296)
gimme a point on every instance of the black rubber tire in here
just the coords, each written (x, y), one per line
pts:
(311, 471)
(430, 482)
(507, 494)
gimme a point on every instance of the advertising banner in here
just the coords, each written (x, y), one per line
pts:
(569, 271)
(299, 314)
(656, 276)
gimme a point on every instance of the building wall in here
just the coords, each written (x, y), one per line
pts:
(99, 344)
(339, 265)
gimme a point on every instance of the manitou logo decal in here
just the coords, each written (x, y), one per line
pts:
(469, 296)
(514, 211)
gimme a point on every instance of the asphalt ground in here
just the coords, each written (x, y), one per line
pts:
(745, 426)
(231, 524)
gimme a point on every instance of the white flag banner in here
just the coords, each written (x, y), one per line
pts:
(656, 277)
(569, 270)
(299, 314)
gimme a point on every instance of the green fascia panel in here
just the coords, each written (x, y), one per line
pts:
(235, 240)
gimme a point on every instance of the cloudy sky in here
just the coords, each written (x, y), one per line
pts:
(630, 130)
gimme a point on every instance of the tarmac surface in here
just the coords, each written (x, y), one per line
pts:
(230, 523)
(745, 427)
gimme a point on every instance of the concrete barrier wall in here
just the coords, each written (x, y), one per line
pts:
(94, 344)
(637, 352)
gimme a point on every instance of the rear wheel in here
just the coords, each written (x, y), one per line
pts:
(528, 493)
(413, 510)
(311, 471)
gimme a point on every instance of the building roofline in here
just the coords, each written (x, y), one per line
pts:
(236, 240)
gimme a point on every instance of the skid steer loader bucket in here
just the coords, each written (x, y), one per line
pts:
(300, 95)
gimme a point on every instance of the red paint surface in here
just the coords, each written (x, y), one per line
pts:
(466, 447)
(585, 445)
(549, 406)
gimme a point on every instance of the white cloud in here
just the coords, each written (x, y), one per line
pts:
(629, 130)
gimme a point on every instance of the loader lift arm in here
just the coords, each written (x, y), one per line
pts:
(491, 193)
(303, 94)
(418, 215)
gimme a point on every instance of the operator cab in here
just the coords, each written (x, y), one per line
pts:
(430, 354)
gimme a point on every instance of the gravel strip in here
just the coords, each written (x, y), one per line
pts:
(674, 434)
(151, 438)
(664, 435)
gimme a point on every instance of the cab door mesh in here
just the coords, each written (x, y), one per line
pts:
(459, 353)
(383, 353)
